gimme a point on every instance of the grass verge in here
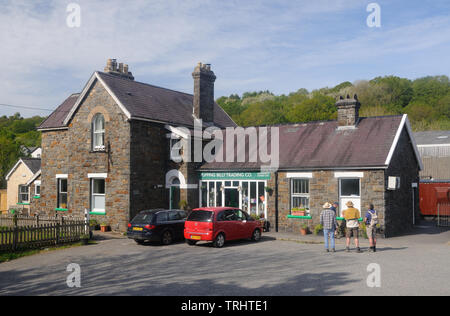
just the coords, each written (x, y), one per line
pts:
(8, 256)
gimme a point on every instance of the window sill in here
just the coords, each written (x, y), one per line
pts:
(98, 151)
(23, 203)
(97, 213)
(61, 209)
(341, 219)
(36, 197)
(296, 216)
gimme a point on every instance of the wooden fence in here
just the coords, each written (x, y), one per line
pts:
(29, 232)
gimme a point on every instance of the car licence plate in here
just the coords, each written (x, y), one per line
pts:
(138, 229)
(196, 237)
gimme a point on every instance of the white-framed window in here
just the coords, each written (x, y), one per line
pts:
(37, 188)
(62, 193)
(98, 133)
(24, 194)
(300, 193)
(98, 194)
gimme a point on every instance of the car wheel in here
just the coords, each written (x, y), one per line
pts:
(256, 236)
(219, 241)
(191, 242)
(139, 242)
(166, 238)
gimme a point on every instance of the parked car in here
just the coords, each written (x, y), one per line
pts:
(160, 225)
(220, 224)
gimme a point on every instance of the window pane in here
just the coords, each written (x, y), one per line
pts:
(98, 202)
(62, 200)
(300, 186)
(204, 194)
(300, 202)
(99, 123)
(350, 187)
(99, 186)
(62, 185)
(218, 194)
(38, 190)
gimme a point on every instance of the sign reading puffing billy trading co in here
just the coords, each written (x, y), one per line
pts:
(235, 176)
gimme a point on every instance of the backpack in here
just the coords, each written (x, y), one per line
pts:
(373, 218)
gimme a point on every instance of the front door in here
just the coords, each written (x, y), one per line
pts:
(231, 198)
(174, 197)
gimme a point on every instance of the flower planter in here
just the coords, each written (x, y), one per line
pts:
(303, 231)
(104, 229)
(298, 213)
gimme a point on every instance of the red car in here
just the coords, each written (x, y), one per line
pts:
(220, 224)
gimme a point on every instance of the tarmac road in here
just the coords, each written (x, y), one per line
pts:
(417, 264)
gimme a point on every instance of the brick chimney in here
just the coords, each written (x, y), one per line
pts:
(348, 111)
(204, 92)
(120, 70)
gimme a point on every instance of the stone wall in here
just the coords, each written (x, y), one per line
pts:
(399, 203)
(324, 187)
(70, 152)
(149, 150)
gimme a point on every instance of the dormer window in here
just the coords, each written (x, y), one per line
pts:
(98, 133)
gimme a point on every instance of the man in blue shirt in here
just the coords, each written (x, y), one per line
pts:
(371, 220)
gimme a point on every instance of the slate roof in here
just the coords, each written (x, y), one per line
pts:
(432, 137)
(322, 145)
(151, 102)
(143, 101)
(33, 163)
(56, 119)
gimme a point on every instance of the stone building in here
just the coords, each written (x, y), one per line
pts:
(106, 149)
(111, 150)
(363, 160)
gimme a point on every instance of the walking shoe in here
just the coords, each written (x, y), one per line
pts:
(374, 248)
(326, 250)
(333, 250)
(358, 250)
(347, 249)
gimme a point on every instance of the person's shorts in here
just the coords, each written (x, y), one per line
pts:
(371, 232)
(352, 232)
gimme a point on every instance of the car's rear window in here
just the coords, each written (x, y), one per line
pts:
(143, 218)
(200, 216)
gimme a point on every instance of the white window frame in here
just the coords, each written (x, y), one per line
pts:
(300, 195)
(36, 185)
(59, 192)
(95, 132)
(93, 209)
(27, 193)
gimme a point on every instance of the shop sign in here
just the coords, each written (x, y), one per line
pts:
(235, 176)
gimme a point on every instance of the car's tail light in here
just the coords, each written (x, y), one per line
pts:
(149, 227)
(129, 225)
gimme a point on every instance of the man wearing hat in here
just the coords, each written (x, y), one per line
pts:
(329, 223)
(352, 216)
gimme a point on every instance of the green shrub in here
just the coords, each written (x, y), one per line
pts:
(318, 229)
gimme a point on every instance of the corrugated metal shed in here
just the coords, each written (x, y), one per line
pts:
(434, 149)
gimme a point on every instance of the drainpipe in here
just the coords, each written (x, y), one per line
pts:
(276, 201)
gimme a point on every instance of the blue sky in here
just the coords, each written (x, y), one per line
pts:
(252, 45)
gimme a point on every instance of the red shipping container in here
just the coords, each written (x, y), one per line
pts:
(432, 193)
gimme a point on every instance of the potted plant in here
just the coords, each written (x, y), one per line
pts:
(304, 229)
(269, 190)
(84, 239)
(104, 227)
(298, 211)
(94, 224)
(318, 229)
